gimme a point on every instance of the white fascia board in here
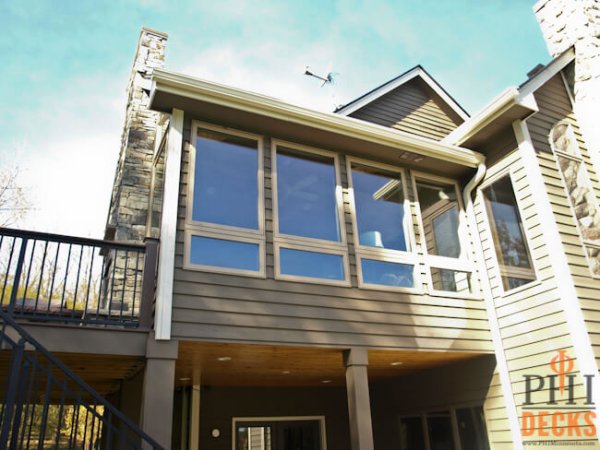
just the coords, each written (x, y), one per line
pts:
(193, 88)
(488, 114)
(376, 93)
(522, 96)
(558, 64)
(416, 72)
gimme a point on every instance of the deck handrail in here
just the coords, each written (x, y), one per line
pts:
(39, 380)
(54, 277)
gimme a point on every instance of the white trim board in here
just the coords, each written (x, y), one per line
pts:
(168, 228)
(385, 88)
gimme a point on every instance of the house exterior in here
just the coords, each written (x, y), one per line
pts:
(393, 275)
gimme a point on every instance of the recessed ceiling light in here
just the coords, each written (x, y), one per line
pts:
(396, 363)
(285, 372)
(326, 381)
(224, 358)
(185, 379)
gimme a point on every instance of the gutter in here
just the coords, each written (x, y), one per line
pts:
(487, 115)
(167, 82)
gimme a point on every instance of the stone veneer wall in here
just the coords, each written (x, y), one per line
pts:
(576, 23)
(129, 206)
(128, 211)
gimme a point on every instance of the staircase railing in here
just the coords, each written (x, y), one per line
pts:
(52, 277)
(44, 405)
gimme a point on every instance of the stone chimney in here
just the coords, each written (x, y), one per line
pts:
(128, 212)
(576, 23)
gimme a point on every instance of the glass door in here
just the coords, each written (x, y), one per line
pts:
(278, 435)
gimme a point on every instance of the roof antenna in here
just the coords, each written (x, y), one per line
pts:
(329, 78)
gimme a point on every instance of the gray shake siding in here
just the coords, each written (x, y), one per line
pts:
(411, 108)
(222, 307)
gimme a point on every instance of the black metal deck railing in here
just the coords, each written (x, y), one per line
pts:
(44, 405)
(52, 277)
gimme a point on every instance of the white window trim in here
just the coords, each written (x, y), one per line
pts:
(506, 171)
(224, 232)
(460, 264)
(320, 419)
(339, 248)
(409, 256)
(302, 279)
(188, 265)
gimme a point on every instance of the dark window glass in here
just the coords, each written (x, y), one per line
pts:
(306, 198)
(387, 273)
(379, 199)
(439, 212)
(471, 429)
(224, 253)
(509, 238)
(311, 264)
(439, 428)
(411, 434)
(226, 180)
(254, 438)
(451, 280)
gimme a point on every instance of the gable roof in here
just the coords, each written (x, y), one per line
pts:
(416, 72)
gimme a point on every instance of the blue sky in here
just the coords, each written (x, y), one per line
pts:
(66, 65)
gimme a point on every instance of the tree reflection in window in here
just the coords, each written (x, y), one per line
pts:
(578, 186)
(508, 234)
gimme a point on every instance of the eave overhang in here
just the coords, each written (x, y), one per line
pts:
(173, 90)
(512, 104)
(509, 106)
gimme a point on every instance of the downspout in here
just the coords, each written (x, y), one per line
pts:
(511, 407)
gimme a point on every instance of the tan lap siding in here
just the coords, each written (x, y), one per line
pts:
(222, 307)
(496, 419)
(410, 108)
(531, 320)
(554, 106)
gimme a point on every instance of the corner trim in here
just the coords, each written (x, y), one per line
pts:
(564, 281)
(168, 228)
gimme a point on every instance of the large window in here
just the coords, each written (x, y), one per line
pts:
(382, 226)
(508, 234)
(224, 223)
(454, 429)
(309, 239)
(442, 234)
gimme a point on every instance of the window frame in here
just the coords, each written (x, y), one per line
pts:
(506, 172)
(265, 419)
(224, 232)
(460, 264)
(309, 244)
(423, 414)
(410, 256)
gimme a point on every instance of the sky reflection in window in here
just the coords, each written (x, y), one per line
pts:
(226, 180)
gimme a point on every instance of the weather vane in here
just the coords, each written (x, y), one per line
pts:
(329, 78)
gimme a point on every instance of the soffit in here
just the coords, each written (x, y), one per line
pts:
(269, 365)
(252, 112)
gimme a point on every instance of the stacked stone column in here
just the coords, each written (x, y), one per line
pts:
(129, 207)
